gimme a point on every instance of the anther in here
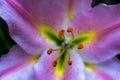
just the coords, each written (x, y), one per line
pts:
(49, 51)
(69, 62)
(61, 33)
(80, 46)
(54, 63)
(69, 29)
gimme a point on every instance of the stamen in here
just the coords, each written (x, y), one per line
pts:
(70, 30)
(69, 62)
(54, 63)
(49, 51)
(61, 33)
(80, 46)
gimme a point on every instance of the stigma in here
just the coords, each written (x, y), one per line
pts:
(64, 48)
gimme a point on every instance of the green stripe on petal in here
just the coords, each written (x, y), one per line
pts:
(83, 38)
(79, 39)
(50, 34)
(61, 63)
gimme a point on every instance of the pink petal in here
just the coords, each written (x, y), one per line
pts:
(25, 73)
(21, 30)
(15, 65)
(42, 11)
(76, 70)
(105, 22)
(78, 6)
(96, 19)
(49, 12)
(43, 68)
(91, 75)
(108, 70)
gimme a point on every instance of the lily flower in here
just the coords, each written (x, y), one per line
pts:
(61, 40)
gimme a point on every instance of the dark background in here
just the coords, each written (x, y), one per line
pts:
(108, 2)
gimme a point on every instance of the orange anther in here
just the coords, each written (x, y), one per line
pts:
(80, 46)
(54, 63)
(70, 29)
(49, 51)
(69, 62)
(61, 32)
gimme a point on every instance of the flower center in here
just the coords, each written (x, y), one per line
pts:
(65, 48)
(66, 45)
